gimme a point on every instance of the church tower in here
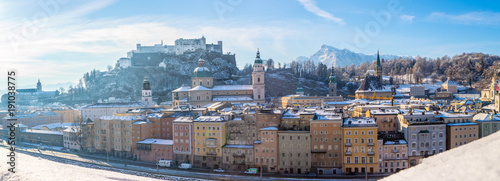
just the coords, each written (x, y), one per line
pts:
(147, 98)
(332, 84)
(258, 80)
(378, 68)
(39, 86)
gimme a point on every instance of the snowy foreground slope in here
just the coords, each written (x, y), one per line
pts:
(33, 168)
(478, 160)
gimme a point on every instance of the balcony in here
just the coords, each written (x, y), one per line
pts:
(395, 151)
(371, 144)
(238, 155)
(348, 144)
(211, 153)
(348, 153)
(239, 162)
(371, 153)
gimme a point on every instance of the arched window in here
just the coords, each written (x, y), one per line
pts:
(258, 79)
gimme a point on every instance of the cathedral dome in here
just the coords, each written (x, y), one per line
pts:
(201, 70)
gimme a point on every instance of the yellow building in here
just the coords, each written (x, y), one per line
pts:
(210, 137)
(360, 141)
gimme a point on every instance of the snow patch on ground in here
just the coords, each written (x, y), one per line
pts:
(49, 168)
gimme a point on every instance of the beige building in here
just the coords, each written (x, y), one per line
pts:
(69, 115)
(237, 157)
(294, 152)
(113, 134)
(455, 117)
(450, 86)
(458, 134)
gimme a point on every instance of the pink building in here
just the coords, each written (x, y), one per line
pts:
(392, 153)
(155, 149)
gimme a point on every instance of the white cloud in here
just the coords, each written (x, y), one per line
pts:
(310, 5)
(476, 17)
(406, 18)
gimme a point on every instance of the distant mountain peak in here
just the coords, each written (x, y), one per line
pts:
(332, 56)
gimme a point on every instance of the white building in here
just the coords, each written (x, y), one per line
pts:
(417, 90)
(71, 138)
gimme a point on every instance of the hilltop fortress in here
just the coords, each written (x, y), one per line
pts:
(155, 55)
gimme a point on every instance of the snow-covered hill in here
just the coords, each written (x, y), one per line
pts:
(332, 56)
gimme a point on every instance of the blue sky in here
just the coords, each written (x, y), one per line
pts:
(58, 41)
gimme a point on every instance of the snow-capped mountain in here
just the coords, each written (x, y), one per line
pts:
(332, 56)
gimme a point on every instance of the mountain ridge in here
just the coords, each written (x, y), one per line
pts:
(332, 56)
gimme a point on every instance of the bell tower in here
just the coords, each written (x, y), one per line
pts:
(258, 83)
(147, 98)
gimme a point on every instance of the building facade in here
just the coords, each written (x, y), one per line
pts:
(210, 137)
(294, 152)
(360, 143)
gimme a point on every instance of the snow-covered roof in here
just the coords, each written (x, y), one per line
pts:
(42, 131)
(269, 129)
(232, 87)
(183, 119)
(54, 125)
(73, 129)
(384, 111)
(209, 119)
(239, 146)
(108, 105)
(156, 141)
(142, 122)
(396, 142)
(182, 89)
(124, 118)
(200, 88)
(486, 117)
(455, 115)
(354, 122)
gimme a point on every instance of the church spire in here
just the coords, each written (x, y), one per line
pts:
(332, 75)
(257, 57)
(378, 59)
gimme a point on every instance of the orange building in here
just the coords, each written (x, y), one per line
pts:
(387, 119)
(266, 149)
(155, 149)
